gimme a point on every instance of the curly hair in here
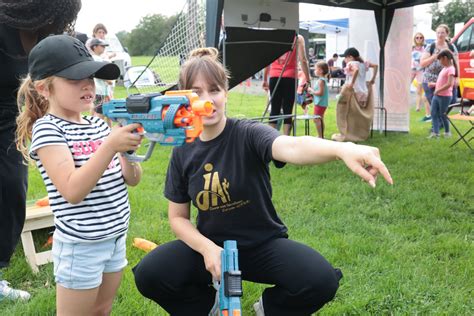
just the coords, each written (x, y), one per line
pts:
(33, 15)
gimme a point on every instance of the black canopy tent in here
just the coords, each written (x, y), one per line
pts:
(242, 68)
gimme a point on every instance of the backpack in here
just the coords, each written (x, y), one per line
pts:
(433, 45)
(451, 48)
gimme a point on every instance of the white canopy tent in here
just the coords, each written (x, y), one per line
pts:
(339, 26)
(336, 31)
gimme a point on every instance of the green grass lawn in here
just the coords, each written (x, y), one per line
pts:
(404, 249)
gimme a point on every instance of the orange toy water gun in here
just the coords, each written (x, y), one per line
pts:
(170, 119)
(144, 244)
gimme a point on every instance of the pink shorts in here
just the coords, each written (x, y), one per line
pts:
(319, 110)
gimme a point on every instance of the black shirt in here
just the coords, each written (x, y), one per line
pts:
(228, 181)
(13, 66)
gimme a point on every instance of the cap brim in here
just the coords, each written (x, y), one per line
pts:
(87, 69)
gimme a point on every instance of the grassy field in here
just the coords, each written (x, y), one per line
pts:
(405, 249)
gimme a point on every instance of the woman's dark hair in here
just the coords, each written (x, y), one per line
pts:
(448, 54)
(33, 15)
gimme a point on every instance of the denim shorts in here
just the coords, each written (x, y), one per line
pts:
(80, 265)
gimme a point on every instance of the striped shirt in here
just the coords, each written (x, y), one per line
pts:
(104, 213)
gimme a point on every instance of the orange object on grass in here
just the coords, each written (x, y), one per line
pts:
(144, 244)
(42, 202)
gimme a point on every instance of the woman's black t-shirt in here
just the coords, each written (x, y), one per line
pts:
(228, 181)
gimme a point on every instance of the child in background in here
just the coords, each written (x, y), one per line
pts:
(303, 97)
(356, 71)
(103, 88)
(84, 177)
(100, 32)
(443, 93)
(321, 95)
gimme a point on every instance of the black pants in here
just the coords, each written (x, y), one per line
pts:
(284, 96)
(13, 186)
(174, 276)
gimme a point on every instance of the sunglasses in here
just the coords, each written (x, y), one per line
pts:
(419, 37)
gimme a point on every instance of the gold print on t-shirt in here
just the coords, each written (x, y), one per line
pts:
(215, 193)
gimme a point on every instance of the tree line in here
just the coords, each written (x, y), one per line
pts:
(453, 12)
(148, 35)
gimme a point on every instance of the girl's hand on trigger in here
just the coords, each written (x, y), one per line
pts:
(365, 162)
(212, 260)
(123, 138)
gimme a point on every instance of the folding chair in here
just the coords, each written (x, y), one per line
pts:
(463, 115)
(141, 77)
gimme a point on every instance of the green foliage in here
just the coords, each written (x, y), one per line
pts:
(455, 11)
(123, 37)
(405, 249)
(148, 35)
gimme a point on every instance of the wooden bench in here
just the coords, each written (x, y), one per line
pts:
(36, 218)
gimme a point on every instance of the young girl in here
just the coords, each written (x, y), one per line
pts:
(225, 174)
(303, 97)
(321, 95)
(85, 178)
(356, 71)
(103, 88)
(443, 93)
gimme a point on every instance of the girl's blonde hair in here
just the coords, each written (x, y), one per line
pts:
(31, 106)
(204, 61)
(414, 39)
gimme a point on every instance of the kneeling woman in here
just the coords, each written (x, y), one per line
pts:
(225, 174)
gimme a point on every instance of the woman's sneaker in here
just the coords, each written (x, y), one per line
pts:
(426, 118)
(433, 136)
(6, 292)
(258, 307)
(447, 135)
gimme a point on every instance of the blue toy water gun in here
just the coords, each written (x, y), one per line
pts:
(170, 119)
(230, 289)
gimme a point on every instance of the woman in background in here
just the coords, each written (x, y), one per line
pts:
(417, 72)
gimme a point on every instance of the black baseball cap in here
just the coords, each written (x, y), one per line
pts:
(351, 51)
(98, 42)
(67, 57)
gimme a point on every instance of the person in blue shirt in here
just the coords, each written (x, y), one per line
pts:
(320, 95)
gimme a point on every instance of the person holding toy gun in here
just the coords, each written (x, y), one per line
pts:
(225, 174)
(84, 174)
(23, 23)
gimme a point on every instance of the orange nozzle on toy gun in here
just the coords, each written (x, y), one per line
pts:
(191, 116)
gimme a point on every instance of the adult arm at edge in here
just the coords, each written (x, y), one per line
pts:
(306, 150)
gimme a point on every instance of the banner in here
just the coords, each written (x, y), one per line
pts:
(397, 62)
